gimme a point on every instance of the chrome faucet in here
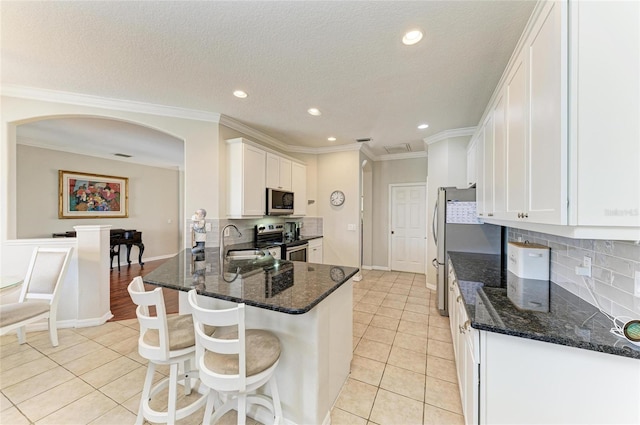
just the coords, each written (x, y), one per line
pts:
(222, 248)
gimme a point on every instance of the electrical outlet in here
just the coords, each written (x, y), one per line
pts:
(636, 291)
(351, 227)
(585, 268)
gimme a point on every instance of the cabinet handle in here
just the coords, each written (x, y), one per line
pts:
(526, 215)
(480, 214)
(490, 214)
(459, 298)
(467, 324)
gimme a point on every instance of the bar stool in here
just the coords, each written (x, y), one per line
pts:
(235, 362)
(164, 341)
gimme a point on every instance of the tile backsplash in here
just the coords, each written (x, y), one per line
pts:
(311, 226)
(614, 265)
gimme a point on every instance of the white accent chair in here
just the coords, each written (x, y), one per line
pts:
(39, 295)
(234, 362)
(164, 340)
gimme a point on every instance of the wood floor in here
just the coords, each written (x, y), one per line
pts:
(122, 307)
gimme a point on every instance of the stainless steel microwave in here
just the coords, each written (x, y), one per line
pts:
(279, 202)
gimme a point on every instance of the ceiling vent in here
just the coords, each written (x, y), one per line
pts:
(123, 155)
(366, 139)
(402, 148)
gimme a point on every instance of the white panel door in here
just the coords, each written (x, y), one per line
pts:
(408, 228)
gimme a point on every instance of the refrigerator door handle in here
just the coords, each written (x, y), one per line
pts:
(433, 224)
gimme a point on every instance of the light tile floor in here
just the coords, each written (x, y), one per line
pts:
(402, 370)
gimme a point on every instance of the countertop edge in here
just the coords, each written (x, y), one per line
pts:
(553, 339)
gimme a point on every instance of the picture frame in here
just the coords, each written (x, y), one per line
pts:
(87, 195)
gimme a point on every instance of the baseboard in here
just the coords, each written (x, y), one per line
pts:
(70, 323)
(145, 259)
(432, 287)
(96, 321)
(382, 268)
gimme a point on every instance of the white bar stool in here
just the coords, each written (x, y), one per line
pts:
(164, 341)
(235, 362)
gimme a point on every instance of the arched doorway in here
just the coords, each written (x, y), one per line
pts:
(150, 159)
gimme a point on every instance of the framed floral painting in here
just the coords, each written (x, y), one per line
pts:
(83, 195)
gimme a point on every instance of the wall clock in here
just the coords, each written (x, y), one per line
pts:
(337, 198)
(337, 274)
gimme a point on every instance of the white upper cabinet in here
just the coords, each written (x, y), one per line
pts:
(487, 170)
(278, 172)
(471, 163)
(547, 111)
(499, 157)
(604, 130)
(516, 92)
(299, 188)
(480, 174)
(252, 168)
(565, 147)
(246, 166)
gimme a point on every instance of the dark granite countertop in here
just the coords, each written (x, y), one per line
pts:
(498, 301)
(287, 286)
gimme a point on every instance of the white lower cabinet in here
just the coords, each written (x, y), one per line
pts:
(534, 382)
(511, 380)
(465, 346)
(466, 360)
(315, 251)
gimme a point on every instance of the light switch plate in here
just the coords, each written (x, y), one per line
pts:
(351, 227)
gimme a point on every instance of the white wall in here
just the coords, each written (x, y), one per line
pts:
(339, 171)
(447, 161)
(201, 152)
(153, 198)
(384, 174)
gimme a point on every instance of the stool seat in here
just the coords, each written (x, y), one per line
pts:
(262, 351)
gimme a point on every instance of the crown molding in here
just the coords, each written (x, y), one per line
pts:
(325, 149)
(407, 155)
(449, 134)
(252, 132)
(47, 95)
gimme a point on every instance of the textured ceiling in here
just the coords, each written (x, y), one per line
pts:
(345, 58)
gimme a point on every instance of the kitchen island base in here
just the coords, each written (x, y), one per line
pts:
(316, 353)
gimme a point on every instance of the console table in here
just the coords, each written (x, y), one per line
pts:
(129, 238)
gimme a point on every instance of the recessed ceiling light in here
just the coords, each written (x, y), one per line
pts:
(314, 111)
(331, 139)
(412, 37)
(241, 94)
(423, 126)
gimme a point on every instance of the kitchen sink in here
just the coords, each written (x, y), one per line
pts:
(245, 254)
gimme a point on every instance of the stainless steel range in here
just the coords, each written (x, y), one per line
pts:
(269, 235)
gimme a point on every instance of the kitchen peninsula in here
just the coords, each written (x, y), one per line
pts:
(308, 306)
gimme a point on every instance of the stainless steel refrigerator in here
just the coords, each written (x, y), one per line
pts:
(455, 227)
